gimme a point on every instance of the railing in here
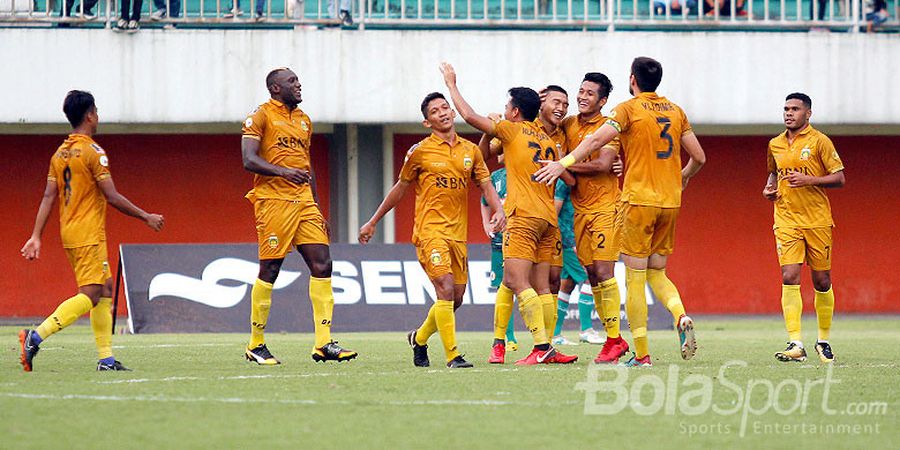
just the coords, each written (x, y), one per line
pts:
(837, 15)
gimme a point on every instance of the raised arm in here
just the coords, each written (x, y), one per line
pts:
(118, 201)
(32, 248)
(481, 123)
(256, 164)
(697, 157)
(390, 201)
(595, 142)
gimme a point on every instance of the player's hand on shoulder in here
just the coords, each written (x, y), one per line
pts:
(295, 175)
(155, 221)
(449, 74)
(32, 249)
(770, 192)
(366, 232)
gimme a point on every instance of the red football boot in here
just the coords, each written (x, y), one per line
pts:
(559, 358)
(498, 353)
(612, 350)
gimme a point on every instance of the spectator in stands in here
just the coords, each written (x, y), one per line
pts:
(173, 10)
(87, 13)
(236, 10)
(346, 18)
(876, 14)
(822, 7)
(724, 7)
(677, 7)
(131, 16)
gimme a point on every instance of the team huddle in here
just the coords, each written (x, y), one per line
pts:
(542, 247)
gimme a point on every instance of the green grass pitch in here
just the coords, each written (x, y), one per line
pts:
(196, 391)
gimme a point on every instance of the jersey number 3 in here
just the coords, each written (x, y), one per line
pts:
(666, 124)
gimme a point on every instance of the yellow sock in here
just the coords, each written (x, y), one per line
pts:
(606, 300)
(446, 324)
(548, 307)
(503, 306)
(66, 314)
(429, 327)
(792, 307)
(322, 304)
(636, 309)
(101, 324)
(260, 304)
(666, 292)
(824, 312)
(533, 312)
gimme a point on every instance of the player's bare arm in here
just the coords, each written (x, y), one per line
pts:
(596, 167)
(32, 248)
(498, 216)
(488, 148)
(390, 201)
(481, 123)
(697, 157)
(486, 220)
(118, 201)
(256, 164)
(770, 190)
(595, 142)
(834, 180)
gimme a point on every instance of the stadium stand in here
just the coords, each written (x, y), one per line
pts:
(775, 15)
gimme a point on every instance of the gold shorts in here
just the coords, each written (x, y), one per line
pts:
(648, 230)
(281, 224)
(440, 257)
(799, 245)
(90, 263)
(532, 239)
(597, 237)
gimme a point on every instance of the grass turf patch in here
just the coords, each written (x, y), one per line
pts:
(195, 390)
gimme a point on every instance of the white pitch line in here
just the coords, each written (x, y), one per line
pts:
(146, 380)
(172, 345)
(165, 399)
(293, 375)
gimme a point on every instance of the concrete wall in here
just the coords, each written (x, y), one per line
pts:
(378, 76)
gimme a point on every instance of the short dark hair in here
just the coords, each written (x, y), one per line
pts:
(647, 73)
(554, 88)
(270, 78)
(807, 102)
(76, 106)
(428, 99)
(606, 86)
(528, 102)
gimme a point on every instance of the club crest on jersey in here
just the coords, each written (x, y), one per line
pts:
(304, 126)
(467, 162)
(104, 161)
(435, 257)
(804, 154)
(249, 122)
(272, 241)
